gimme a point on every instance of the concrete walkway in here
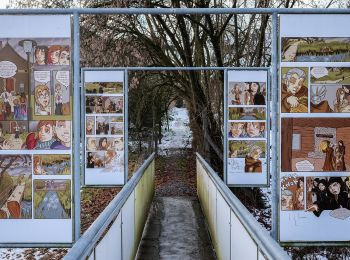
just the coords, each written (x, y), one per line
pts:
(175, 230)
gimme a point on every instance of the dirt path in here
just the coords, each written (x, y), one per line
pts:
(176, 228)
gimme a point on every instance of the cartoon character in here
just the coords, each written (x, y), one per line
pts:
(102, 144)
(62, 131)
(236, 130)
(287, 200)
(90, 160)
(38, 168)
(294, 93)
(40, 55)
(43, 138)
(89, 127)
(58, 99)
(298, 198)
(318, 103)
(255, 129)
(325, 147)
(91, 144)
(340, 156)
(64, 56)
(42, 100)
(54, 54)
(235, 94)
(341, 104)
(252, 162)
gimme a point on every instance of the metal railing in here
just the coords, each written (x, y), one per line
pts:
(234, 231)
(116, 233)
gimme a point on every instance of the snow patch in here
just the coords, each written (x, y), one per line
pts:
(179, 134)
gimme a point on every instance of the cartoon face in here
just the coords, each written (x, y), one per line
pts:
(287, 202)
(301, 197)
(89, 125)
(62, 130)
(236, 129)
(55, 56)
(254, 87)
(321, 187)
(118, 144)
(45, 133)
(256, 154)
(64, 58)
(43, 98)
(254, 129)
(40, 56)
(334, 188)
(294, 84)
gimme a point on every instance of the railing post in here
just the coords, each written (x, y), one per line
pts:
(76, 123)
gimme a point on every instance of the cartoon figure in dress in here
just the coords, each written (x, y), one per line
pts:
(42, 100)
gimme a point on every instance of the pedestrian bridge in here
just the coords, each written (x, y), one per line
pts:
(135, 225)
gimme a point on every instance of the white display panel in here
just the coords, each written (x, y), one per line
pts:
(104, 131)
(315, 128)
(247, 127)
(36, 170)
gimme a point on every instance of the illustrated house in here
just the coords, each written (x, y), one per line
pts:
(301, 138)
(17, 83)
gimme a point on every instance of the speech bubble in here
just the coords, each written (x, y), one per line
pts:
(63, 77)
(7, 69)
(319, 72)
(42, 76)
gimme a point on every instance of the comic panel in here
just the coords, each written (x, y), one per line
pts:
(294, 90)
(51, 54)
(315, 144)
(95, 160)
(104, 143)
(102, 125)
(247, 93)
(330, 75)
(49, 134)
(16, 186)
(330, 98)
(328, 193)
(52, 164)
(52, 199)
(103, 105)
(90, 125)
(292, 193)
(42, 93)
(13, 135)
(62, 96)
(252, 129)
(249, 155)
(104, 87)
(315, 49)
(247, 113)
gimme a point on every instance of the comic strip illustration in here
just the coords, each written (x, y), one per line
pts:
(247, 93)
(104, 87)
(315, 49)
(15, 186)
(52, 199)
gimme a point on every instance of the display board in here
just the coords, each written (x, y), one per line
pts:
(315, 128)
(246, 131)
(105, 128)
(36, 130)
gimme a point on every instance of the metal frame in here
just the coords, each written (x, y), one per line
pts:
(176, 11)
(126, 124)
(268, 125)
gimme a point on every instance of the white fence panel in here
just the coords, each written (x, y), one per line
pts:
(223, 228)
(128, 225)
(110, 246)
(212, 218)
(242, 245)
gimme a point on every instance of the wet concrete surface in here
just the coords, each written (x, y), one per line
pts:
(175, 229)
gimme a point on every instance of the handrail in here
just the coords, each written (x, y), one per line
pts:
(264, 241)
(174, 11)
(86, 243)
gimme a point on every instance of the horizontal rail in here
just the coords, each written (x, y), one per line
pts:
(180, 11)
(268, 246)
(86, 244)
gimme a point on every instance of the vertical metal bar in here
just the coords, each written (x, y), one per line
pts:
(274, 123)
(76, 124)
(126, 125)
(225, 126)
